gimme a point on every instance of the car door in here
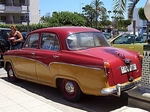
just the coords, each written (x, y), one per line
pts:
(125, 41)
(26, 58)
(47, 56)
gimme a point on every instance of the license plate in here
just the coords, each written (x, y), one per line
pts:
(125, 69)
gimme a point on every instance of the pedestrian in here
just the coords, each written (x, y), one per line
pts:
(15, 38)
(108, 29)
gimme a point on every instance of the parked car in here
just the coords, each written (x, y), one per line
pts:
(4, 44)
(76, 60)
(129, 41)
(24, 34)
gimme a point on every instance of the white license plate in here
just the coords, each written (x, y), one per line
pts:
(125, 69)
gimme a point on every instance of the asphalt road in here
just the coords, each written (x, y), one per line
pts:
(53, 97)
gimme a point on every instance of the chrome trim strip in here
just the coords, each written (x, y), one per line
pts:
(48, 66)
(78, 65)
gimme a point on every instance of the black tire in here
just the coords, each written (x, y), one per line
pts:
(70, 90)
(10, 73)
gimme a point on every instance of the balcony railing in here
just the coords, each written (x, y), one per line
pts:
(16, 7)
(15, 4)
(13, 9)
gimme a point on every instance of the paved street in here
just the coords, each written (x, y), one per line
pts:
(30, 97)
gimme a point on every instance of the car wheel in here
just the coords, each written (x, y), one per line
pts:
(10, 73)
(70, 90)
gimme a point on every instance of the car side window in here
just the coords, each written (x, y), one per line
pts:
(120, 40)
(49, 41)
(32, 41)
(125, 39)
(141, 39)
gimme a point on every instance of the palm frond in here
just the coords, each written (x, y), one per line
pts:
(119, 6)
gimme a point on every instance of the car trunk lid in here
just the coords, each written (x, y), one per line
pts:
(125, 66)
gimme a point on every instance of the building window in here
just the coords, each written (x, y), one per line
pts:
(22, 18)
(3, 18)
(22, 2)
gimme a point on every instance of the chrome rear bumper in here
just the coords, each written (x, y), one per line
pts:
(119, 88)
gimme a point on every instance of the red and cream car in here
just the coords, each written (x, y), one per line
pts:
(76, 60)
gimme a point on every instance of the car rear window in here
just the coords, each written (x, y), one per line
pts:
(86, 40)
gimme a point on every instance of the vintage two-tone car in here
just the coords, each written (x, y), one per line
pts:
(76, 60)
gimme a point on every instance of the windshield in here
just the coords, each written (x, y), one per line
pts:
(86, 40)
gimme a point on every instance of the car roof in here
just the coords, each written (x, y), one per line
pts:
(64, 31)
(4, 28)
(68, 29)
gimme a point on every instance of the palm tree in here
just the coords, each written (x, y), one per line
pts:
(125, 5)
(99, 9)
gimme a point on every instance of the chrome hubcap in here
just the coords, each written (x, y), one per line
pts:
(11, 73)
(69, 87)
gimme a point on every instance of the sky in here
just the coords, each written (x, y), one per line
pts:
(49, 6)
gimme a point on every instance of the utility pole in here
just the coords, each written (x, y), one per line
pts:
(27, 16)
(134, 26)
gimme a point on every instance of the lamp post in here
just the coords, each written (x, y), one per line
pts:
(81, 7)
(27, 16)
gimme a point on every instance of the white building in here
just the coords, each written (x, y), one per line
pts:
(139, 23)
(16, 11)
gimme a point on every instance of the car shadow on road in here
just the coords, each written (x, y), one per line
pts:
(88, 103)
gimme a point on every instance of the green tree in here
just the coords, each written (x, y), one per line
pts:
(66, 19)
(99, 9)
(126, 23)
(142, 14)
(44, 19)
(89, 15)
(105, 23)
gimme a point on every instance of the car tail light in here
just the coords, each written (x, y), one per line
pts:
(141, 57)
(106, 67)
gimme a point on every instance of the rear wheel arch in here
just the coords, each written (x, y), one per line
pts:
(69, 89)
(60, 78)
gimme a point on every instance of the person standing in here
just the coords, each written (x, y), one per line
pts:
(15, 38)
(108, 29)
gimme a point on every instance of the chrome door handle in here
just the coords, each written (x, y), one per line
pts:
(55, 56)
(33, 53)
